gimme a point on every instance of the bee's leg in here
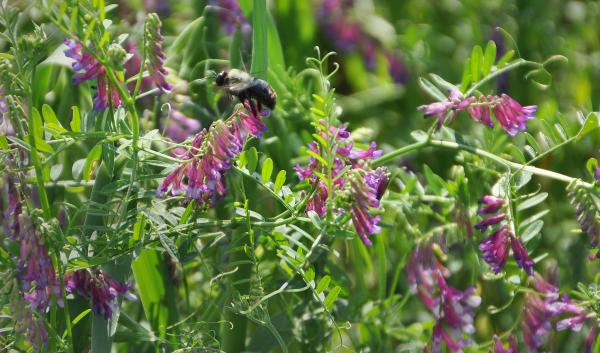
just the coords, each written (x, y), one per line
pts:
(259, 106)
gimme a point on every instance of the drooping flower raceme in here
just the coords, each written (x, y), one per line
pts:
(87, 68)
(495, 247)
(360, 186)
(98, 286)
(452, 308)
(543, 307)
(585, 207)
(201, 176)
(511, 115)
(155, 54)
(35, 272)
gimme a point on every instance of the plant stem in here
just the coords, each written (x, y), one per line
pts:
(514, 166)
(39, 176)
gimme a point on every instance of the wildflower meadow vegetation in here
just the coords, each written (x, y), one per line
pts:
(299, 176)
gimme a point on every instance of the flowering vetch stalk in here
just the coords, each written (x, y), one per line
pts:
(586, 210)
(35, 270)
(155, 54)
(542, 307)
(495, 247)
(87, 68)
(98, 286)
(231, 16)
(511, 115)
(452, 308)
(38, 282)
(361, 186)
(201, 177)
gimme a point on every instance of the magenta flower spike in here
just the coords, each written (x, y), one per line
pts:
(155, 54)
(99, 287)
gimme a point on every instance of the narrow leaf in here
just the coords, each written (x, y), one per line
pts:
(267, 170)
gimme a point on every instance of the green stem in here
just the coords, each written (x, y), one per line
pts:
(234, 336)
(37, 165)
(516, 63)
(514, 166)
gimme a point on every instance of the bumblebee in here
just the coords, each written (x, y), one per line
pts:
(255, 91)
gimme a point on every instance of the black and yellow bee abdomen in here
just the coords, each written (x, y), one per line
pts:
(263, 93)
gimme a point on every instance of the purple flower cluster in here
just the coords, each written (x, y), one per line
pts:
(87, 68)
(511, 115)
(545, 305)
(496, 246)
(98, 286)
(349, 36)
(35, 271)
(201, 176)
(499, 347)
(155, 54)
(586, 217)
(452, 308)
(350, 173)
(231, 16)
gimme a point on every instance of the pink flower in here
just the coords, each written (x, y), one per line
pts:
(210, 157)
(508, 112)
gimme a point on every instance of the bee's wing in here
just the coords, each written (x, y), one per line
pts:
(237, 87)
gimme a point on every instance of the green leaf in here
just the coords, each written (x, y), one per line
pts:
(252, 159)
(590, 124)
(157, 293)
(38, 126)
(279, 180)
(532, 201)
(309, 274)
(76, 121)
(4, 143)
(168, 245)
(331, 297)
(431, 89)
(314, 218)
(267, 170)
(51, 120)
(591, 165)
(505, 59)
(532, 230)
(466, 77)
(489, 57)
(323, 284)
(260, 46)
(92, 157)
(476, 62)
(440, 82)
(80, 316)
